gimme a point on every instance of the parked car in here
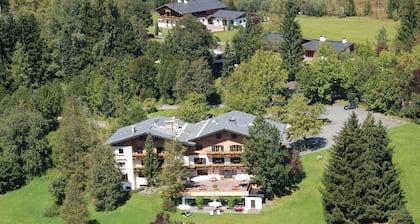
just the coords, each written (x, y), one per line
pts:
(350, 106)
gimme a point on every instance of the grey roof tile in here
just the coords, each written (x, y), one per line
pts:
(234, 121)
(194, 6)
(228, 14)
(338, 45)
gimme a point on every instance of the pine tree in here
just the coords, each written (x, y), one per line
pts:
(151, 165)
(173, 174)
(229, 61)
(267, 160)
(74, 209)
(360, 181)
(342, 194)
(408, 29)
(367, 9)
(105, 180)
(350, 8)
(392, 9)
(291, 49)
(384, 196)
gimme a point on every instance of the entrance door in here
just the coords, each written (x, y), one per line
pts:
(252, 203)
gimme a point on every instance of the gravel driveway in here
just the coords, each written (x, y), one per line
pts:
(337, 115)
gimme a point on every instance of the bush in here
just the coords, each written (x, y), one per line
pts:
(52, 210)
(200, 202)
(169, 205)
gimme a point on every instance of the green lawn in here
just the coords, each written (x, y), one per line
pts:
(355, 29)
(303, 206)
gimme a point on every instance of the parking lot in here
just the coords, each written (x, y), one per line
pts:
(337, 116)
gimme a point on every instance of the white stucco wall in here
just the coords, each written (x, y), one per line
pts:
(248, 202)
(127, 158)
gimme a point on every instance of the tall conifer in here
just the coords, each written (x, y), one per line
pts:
(151, 164)
(291, 48)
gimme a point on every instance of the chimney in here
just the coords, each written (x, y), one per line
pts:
(322, 38)
(133, 129)
(344, 40)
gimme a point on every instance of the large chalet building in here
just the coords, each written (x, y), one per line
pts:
(213, 156)
(211, 13)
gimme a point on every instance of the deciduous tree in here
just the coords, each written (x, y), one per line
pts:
(267, 160)
(194, 108)
(303, 118)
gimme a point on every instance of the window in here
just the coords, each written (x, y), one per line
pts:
(236, 148)
(139, 150)
(202, 172)
(233, 135)
(124, 177)
(217, 148)
(235, 160)
(199, 161)
(142, 138)
(198, 147)
(141, 174)
(121, 151)
(121, 165)
(160, 150)
(218, 160)
(218, 136)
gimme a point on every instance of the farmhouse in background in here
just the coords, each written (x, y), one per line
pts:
(211, 13)
(273, 40)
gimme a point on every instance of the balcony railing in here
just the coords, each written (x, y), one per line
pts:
(138, 155)
(216, 165)
(224, 153)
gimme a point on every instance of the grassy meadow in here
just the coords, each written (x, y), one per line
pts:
(355, 29)
(27, 204)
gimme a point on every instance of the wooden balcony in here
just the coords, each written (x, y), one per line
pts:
(138, 155)
(224, 153)
(216, 165)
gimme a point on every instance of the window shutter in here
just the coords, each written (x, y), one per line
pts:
(213, 148)
(221, 148)
(231, 148)
(240, 148)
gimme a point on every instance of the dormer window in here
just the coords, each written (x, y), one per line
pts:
(142, 138)
(218, 136)
(233, 135)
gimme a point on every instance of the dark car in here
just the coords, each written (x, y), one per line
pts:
(350, 106)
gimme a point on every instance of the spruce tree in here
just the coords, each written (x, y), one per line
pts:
(384, 196)
(173, 174)
(408, 29)
(105, 180)
(360, 181)
(74, 209)
(343, 191)
(151, 164)
(291, 49)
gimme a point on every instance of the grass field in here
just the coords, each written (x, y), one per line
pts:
(27, 204)
(355, 29)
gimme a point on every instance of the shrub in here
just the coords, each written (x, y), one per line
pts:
(200, 202)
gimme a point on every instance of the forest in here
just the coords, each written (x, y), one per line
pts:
(65, 65)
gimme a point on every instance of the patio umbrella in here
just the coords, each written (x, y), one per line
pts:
(215, 204)
(184, 207)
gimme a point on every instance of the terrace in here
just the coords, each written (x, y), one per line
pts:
(215, 186)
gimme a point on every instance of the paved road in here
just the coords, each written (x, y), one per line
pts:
(337, 115)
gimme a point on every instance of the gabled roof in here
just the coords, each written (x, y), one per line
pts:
(228, 14)
(194, 6)
(339, 46)
(234, 121)
(154, 126)
(274, 36)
